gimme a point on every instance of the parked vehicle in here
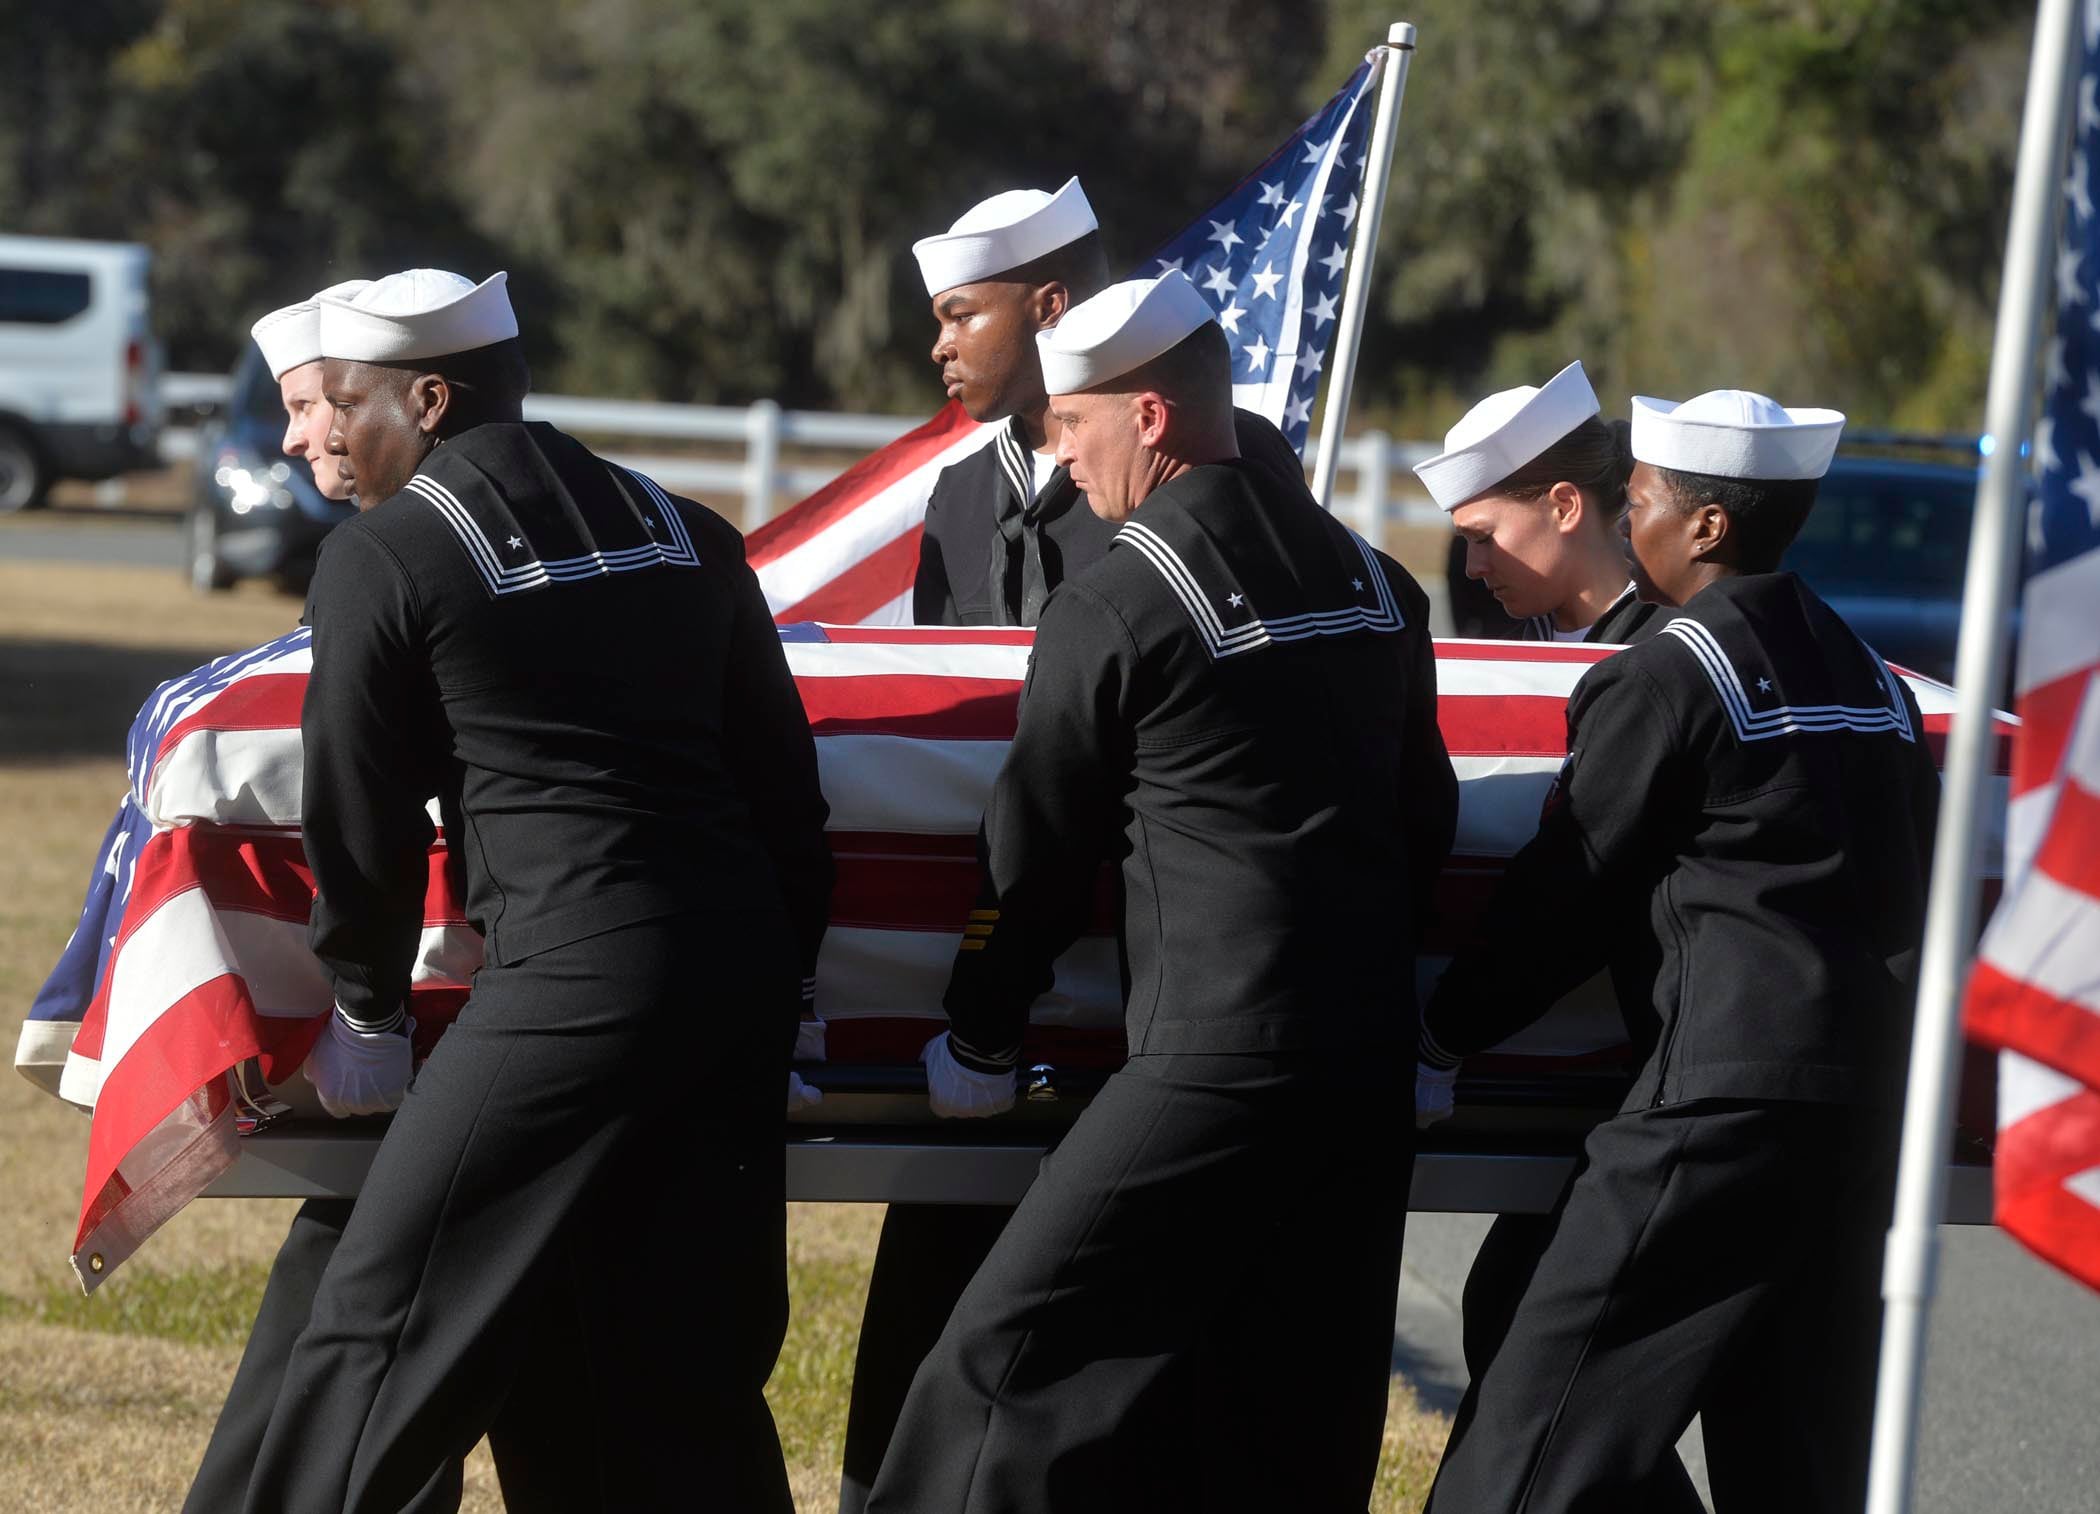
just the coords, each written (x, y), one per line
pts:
(254, 513)
(79, 368)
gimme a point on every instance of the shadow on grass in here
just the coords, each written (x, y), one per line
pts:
(61, 700)
(208, 1306)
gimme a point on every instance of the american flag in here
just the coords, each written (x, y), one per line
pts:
(203, 961)
(2035, 992)
(1269, 256)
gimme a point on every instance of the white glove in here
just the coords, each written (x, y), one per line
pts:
(802, 1095)
(955, 1092)
(355, 1073)
(809, 1041)
(1433, 1090)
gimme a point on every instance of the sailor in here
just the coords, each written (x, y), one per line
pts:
(1534, 480)
(582, 670)
(1004, 527)
(1748, 800)
(1238, 703)
(533, 1475)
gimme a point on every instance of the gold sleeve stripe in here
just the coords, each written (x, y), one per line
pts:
(984, 914)
(973, 946)
(977, 930)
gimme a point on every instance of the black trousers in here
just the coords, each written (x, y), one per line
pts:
(926, 1257)
(594, 1144)
(536, 1476)
(1717, 1258)
(1191, 1309)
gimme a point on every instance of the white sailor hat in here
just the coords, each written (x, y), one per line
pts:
(422, 312)
(1121, 328)
(291, 336)
(1000, 234)
(1734, 433)
(1504, 432)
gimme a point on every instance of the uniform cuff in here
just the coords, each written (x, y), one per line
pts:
(378, 1025)
(978, 1059)
(1431, 1054)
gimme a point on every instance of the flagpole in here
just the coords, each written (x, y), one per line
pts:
(1348, 335)
(1979, 669)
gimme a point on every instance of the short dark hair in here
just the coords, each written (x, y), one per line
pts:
(488, 383)
(1596, 457)
(1196, 369)
(1764, 514)
(1080, 265)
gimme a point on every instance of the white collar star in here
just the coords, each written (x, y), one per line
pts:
(1258, 354)
(1218, 282)
(1357, 584)
(1229, 318)
(1322, 311)
(650, 522)
(516, 542)
(1235, 600)
(1266, 281)
(1222, 233)
(1334, 260)
(1764, 685)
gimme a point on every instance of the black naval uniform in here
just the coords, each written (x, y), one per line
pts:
(1625, 620)
(1749, 795)
(993, 548)
(583, 670)
(1239, 702)
(992, 552)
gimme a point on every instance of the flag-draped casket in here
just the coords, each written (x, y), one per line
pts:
(191, 956)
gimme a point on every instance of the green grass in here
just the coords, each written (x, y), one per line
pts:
(205, 1306)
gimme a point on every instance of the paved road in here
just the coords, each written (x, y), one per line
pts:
(147, 541)
(2012, 1385)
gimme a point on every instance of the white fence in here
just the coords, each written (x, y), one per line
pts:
(1375, 488)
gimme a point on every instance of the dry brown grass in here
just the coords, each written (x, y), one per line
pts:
(111, 1422)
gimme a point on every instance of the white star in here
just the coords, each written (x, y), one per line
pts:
(1258, 354)
(1299, 411)
(1272, 194)
(2057, 373)
(1313, 151)
(1218, 282)
(2037, 538)
(516, 542)
(1348, 213)
(2068, 289)
(1266, 281)
(1168, 265)
(2091, 403)
(1322, 311)
(2077, 187)
(1222, 233)
(2092, 22)
(1764, 685)
(2087, 486)
(1289, 213)
(1309, 362)
(1235, 600)
(2045, 457)
(2088, 107)
(649, 521)
(1229, 318)
(1334, 260)
(1357, 584)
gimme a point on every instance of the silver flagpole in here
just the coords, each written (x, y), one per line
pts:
(1979, 667)
(1348, 335)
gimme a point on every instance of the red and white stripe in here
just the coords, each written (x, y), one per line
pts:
(849, 552)
(2035, 990)
(211, 965)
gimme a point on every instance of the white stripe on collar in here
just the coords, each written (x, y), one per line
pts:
(1788, 719)
(1383, 617)
(536, 572)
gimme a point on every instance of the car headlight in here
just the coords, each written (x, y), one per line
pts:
(252, 484)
